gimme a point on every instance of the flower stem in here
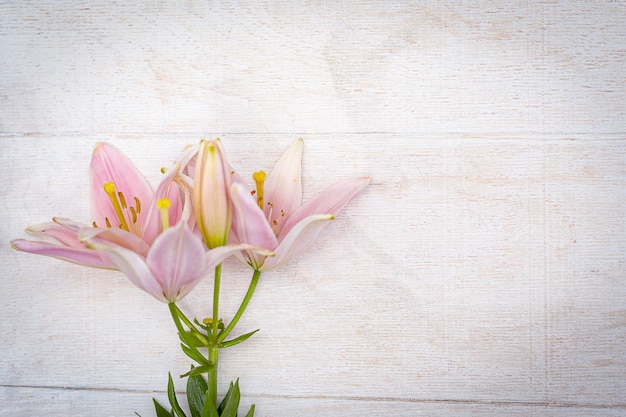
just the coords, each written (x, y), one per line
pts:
(213, 349)
(242, 307)
(177, 315)
(175, 312)
(212, 374)
(216, 300)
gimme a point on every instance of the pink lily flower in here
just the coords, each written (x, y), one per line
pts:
(166, 262)
(122, 202)
(272, 216)
(175, 262)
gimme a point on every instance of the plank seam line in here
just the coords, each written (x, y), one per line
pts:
(505, 403)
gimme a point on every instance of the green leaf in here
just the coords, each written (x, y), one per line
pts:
(220, 408)
(194, 354)
(196, 393)
(251, 412)
(231, 401)
(171, 394)
(205, 325)
(185, 335)
(202, 369)
(209, 409)
(237, 340)
(161, 411)
(195, 339)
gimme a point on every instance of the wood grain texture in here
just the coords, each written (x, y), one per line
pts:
(482, 273)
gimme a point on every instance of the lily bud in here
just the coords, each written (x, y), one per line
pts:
(211, 198)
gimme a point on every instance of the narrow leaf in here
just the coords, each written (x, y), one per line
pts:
(202, 369)
(232, 403)
(196, 393)
(194, 339)
(171, 394)
(194, 354)
(237, 340)
(209, 409)
(162, 411)
(202, 325)
(251, 412)
(220, 408)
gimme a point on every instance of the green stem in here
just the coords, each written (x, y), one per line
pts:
(242, 307)
(213, 349)
(212, 374)
(216, 300)
(176, 314)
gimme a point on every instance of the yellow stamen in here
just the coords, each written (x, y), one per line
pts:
(259, 179)
(109, 188)
(137, 205)
(133, 212)
(164, 207)
(122, 199)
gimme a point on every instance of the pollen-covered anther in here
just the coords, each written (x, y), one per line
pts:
(122, 199)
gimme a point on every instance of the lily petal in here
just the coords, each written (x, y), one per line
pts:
(330, 201)
(114, 236)
(283, 188)
(80, 256)
(176, 260)
(152, 224)
(134, 267)
(110, 165)
(249, 223)
(217, 255)
(298, 240)
(59, 232)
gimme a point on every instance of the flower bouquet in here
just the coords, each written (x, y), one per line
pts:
(168, 239)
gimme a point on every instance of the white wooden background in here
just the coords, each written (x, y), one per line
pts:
(483, 273)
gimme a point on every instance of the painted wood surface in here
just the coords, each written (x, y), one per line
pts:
(482, 273)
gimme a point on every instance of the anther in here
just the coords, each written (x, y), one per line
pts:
(122, 199)
(137, 205)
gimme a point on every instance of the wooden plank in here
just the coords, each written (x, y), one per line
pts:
(115, 403)
(430, 67)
